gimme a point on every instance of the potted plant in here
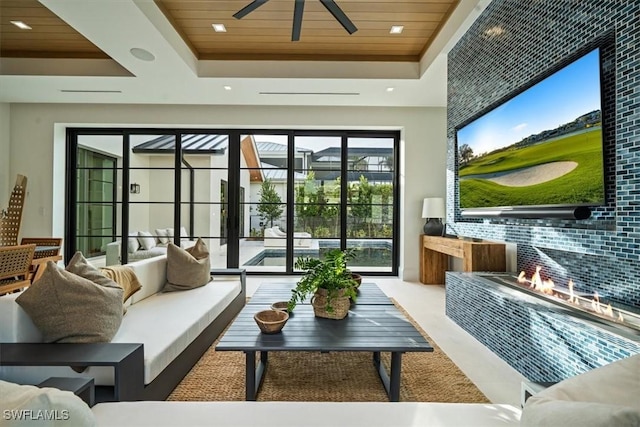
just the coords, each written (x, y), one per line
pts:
(330, 282)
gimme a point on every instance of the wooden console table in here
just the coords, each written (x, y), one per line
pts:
(476, 256)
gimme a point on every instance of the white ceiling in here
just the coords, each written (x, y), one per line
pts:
(177, 77)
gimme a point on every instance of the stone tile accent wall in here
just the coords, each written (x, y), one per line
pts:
(537, 339)
(488, 65)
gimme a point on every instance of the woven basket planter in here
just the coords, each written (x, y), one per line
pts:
(339, 303)
(357, 278)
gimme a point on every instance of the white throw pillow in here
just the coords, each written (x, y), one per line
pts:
(132, 243)
(183, 233)
(161, 235)
(42, 407)
(146, 239)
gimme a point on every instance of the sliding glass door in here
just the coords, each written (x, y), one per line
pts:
(96, 201)
(258, 199)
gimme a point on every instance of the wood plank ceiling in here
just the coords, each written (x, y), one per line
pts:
(265, 33)
(49, 36)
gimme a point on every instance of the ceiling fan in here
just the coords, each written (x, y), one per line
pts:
(331, 6)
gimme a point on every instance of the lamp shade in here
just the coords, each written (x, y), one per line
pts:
(433, 207)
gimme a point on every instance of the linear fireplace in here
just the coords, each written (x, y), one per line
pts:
(545, 336)
(581, 304)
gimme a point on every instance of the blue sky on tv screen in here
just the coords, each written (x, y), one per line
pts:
(560, 98)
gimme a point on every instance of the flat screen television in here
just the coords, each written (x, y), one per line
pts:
(542, 148)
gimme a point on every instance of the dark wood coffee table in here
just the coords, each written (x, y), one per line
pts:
(268, 293)
(374, 328)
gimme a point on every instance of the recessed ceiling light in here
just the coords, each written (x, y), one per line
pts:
(142, 54)
(227, 88)
(219, 28)
(390, 89)
(396, 29)
(21, 25)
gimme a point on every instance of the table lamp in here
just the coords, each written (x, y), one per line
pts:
(433, 212)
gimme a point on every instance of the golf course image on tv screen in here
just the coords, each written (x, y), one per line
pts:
(543, 147)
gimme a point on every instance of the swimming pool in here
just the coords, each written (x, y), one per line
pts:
(369, 254)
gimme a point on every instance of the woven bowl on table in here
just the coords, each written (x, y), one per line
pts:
(271, 321)
(282, 306)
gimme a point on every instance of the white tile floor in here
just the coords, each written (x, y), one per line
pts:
(425, 303)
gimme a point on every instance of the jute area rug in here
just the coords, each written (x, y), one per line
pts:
(328, 377)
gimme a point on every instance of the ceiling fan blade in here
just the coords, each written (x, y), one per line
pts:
(297, 20)
(339, 15)
(249, 8)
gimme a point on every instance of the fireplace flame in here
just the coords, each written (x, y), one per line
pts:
(572, 297)
(546, 286)
(536, 281)
(608, 311)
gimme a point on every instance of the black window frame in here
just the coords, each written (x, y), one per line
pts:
(234, 169)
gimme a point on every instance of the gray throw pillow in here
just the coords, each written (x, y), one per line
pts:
(187, 268)
(77, 305)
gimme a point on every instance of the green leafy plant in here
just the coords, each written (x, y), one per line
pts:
(270, 207)
(330, 273)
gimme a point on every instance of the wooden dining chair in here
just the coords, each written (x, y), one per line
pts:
(55, 243)
(41, 256)
(11, 218)
(15, 262)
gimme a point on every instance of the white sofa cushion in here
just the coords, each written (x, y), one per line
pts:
(152, 273)
(603, 397)
(15, 323)
(132, 243)
(161, 234)
(146, 239)
(183, 233)
(308, 414)
(168, 322)
(47, 407)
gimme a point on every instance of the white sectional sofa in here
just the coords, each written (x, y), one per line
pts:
(602, 397)
(307, 414)
(175, 328)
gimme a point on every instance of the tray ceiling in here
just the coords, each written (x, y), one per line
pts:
(166, 52)
(265, 33)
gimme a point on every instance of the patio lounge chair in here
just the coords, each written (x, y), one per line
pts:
(274, 237)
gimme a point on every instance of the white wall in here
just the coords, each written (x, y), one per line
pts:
(38, 128)
(5, 145)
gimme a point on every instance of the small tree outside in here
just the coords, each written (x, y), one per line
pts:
(359, 197)
(313, 208)
(270, 206)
